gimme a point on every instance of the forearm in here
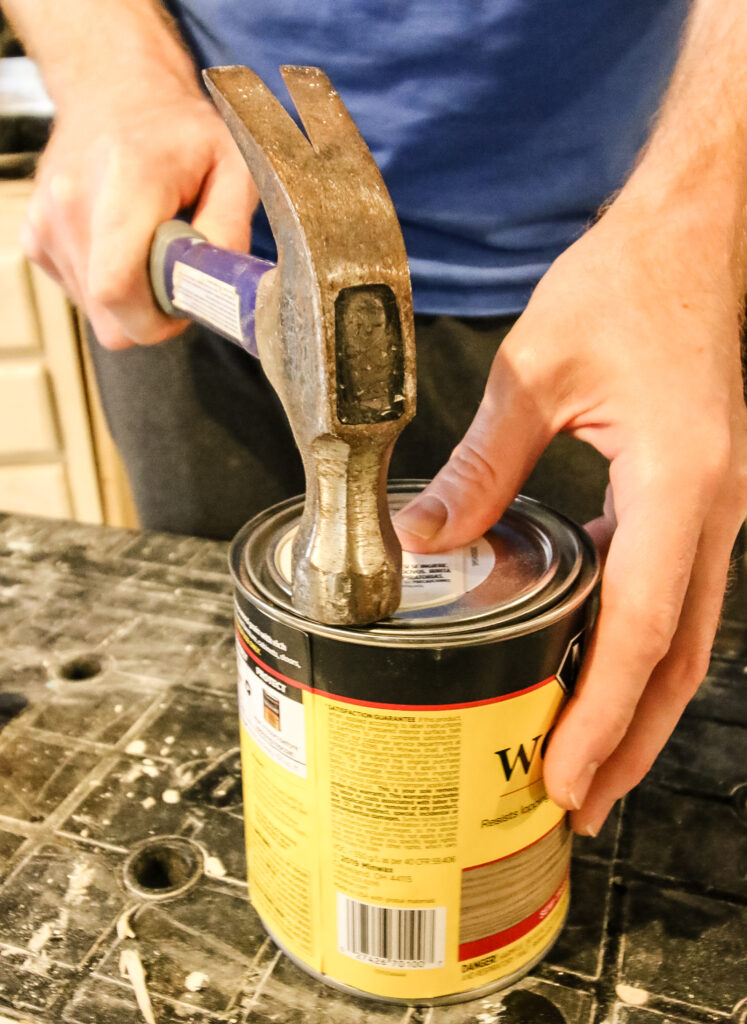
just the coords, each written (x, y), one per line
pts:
(695, 163)
(83, 45)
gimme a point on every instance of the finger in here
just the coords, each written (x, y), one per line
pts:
(57, 238)
(602, 529)
(67, 229)
(645, 580)
(34, 251)
(107, 329)
(104, 326)
(227, 201)
(56, 260)
(46, 243)
(672, 684)
(127, 209)
(485, 470)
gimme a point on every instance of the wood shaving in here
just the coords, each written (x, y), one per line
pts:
(630, 994)
(214, 867)
(131, 967)
(124, 928)
(195, 981)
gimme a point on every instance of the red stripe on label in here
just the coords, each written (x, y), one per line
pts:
(521, 789)
(389, 707)
(470, 950)
(266, 668)
(437, 707)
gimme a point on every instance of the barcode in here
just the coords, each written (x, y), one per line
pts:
(390, 936)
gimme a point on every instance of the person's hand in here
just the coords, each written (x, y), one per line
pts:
(122, 159)
(630, 342)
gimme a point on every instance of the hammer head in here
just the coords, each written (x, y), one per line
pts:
(334, 332)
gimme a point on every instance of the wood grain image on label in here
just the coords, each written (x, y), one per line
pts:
(503, 900)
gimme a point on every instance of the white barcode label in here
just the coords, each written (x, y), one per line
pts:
(391, 936)
(208, 299)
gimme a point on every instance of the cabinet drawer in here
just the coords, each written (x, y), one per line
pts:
(19, 327)
(27, 420)
(35, 490)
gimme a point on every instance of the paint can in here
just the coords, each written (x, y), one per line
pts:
(400, 841)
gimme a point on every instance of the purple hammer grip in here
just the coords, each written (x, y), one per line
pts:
(213, 286)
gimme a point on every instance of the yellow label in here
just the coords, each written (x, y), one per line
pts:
(407, 852)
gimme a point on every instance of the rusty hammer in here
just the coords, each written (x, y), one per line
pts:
(332, 324)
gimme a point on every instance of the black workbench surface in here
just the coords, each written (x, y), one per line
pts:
(118, 724)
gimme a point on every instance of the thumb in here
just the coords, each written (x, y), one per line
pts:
(485, 470)
(227, 202)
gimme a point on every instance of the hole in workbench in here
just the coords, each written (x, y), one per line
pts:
(522, 1005)
(162, 867)
(11, 705)
(85, 666)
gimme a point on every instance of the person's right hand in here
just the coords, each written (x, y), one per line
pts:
(120, 162)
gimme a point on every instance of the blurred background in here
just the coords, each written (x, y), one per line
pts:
(56, 456)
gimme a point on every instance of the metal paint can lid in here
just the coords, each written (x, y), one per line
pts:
(532, 566)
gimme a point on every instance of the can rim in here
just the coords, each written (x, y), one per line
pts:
(569, 591)
(464, 610)
(450, 999)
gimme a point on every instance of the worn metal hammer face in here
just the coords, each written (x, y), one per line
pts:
(334, 332)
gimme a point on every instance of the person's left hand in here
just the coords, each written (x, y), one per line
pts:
(631, 342)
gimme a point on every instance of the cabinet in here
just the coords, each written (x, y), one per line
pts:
(56, 457)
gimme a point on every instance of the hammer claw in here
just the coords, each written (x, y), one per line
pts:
(329, 126)
(257, 119)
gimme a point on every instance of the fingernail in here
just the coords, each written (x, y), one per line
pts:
(577, 792)
(593, 828)
(423, 517)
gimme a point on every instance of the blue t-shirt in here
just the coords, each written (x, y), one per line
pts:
(500, 126)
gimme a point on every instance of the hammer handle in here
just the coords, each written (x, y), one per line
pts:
(217, 287)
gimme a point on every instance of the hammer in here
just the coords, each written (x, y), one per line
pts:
(332, 325)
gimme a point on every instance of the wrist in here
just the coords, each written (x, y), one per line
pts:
(133, 53)
(693, 219)
(135, 86)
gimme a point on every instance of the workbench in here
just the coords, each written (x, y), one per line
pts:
(121, 828)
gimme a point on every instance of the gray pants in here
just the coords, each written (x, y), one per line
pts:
(207, 445)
